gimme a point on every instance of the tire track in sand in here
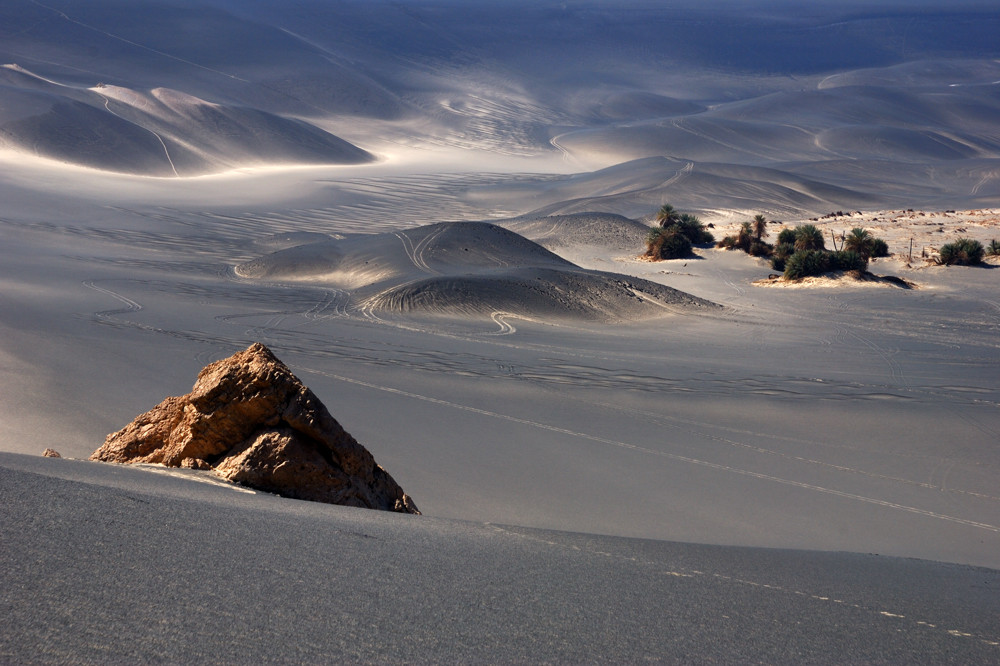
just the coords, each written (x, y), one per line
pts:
(730, 469)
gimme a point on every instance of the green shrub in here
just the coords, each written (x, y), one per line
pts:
(780, 254)
(993, 249)
(759, 249)
(807, 262)
(667, 243)
(693, 229)
(866, 245)
(741, 241)
(786, 237)
(784, 249)
(963, 252)
(848, 260)
(808, 237)
(689, 225)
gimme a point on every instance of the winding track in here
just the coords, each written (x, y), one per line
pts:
(166, 152)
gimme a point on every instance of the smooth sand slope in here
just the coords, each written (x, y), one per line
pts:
(433, 213)
(133, 565)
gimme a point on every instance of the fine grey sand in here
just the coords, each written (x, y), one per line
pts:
(433, 213)
(231, 577)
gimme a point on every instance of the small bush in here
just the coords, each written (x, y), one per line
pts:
(784, 249)
(738, 242)
(667, 244)
(879, 248)
(963, 252)
(780, 254)
(807, 262)
(786, 237)
(847, 260)
(759, 249)
(993, 249)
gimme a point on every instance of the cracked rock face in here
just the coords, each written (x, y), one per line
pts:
(252, 422)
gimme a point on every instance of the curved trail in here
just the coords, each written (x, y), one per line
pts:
(677, 177)
(500, 319)
(158, 137)
(130, 305)
(416, 252)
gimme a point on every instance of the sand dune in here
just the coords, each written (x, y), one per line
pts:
(634, 105)
(159, 133)
(473, 269)
(867, 122)
(609, 231)
(900, 144)
(639, 187)
(368, 260)
(540, 294)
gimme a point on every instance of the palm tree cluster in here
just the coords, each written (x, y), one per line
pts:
(801, 252)
(750, 238)
(676, 234)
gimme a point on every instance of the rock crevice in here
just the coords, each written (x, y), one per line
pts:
(252, 422)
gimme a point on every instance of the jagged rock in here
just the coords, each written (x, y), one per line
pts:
(251, 421)
(51, 453)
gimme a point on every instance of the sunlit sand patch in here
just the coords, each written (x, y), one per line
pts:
(193, 475)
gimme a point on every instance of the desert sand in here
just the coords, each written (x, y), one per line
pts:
(434, 213)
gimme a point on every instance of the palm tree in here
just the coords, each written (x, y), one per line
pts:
(860, 241)
(693, 228)
(759, 225)
(667, 216)
(744, 236)
(808, 237)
